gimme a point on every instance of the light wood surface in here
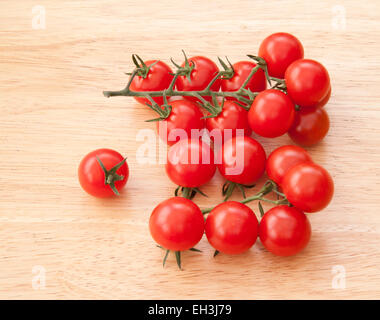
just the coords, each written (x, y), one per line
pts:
(53, 113)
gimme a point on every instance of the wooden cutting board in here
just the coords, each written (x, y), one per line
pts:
(58, 242)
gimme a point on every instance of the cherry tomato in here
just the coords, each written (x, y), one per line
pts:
(203, 72)
(242, 160)
(190, 163)
(310, 126)
(99, 182)
(184, 117)
(308, 186)
(157, 79)
(242, 69)
(282, 159)
(231, 227)
(271, 114)
(177, 224)
(279, 50)
(284, 230)
(307, 82)
(232, 117)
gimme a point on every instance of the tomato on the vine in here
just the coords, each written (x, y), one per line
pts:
(231, 117)
(282, 159)
(184, 117)
(310, 126)
(157, 78)
(307, 82)
(308, 186)
(190, 163)
(271, 114)
(203, 70)
(103, 173)
(177, 224)
(242, 69)
(231, 227)
(279, 50)
(242, 160)
(284, 230)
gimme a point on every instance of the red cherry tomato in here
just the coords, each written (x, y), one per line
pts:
(177, 224)
(184, 117)
(94, 179)
(280, 50)
(203, 72)
(242, 160)
(307, 82)
(308, 186)
(231, 227)
(282, 159)
(190, 163)
(271, 114)
(310, 126)
(284, 231)
(157, 79)
(242, 69)
(232, 117)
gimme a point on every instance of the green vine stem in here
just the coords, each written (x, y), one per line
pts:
(240, 95)
(268, 187)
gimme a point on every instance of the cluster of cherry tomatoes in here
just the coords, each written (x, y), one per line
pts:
(237, 101)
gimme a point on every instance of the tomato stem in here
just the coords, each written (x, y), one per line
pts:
(110, 176)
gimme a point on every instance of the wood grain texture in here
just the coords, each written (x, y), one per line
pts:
(53, 113)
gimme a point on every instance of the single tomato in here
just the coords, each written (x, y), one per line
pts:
(203, 71)
(231, 227)
(308, 186)
(279, 50)
(282, 159)
(307, 82)
(242, 69)
(158, 78)
(242, 160)
(284, 230)
(225, 125)
(310, 126)
(185, 116)
(103, 173)
(177, 224)
(190, 163)
(271, 114)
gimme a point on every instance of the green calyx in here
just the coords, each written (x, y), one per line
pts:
(185, 70)
(163, 111)
(110, 176)
(177, 256)
(188, 193)
(228, 71)
(142, 69)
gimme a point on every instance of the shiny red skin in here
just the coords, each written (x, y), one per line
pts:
(232, 117)
(280, 50)
(308, 186)
(157, 79)
(242, 69)
(324, 101)
(177, 224)
(231, 227)
(248, 168)
(307, 82)
(187, 173)
(271, 114)
(204, 71)
(310, 126)
(282, 159)
(184, 115)
(284, 230)
(91, 176)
